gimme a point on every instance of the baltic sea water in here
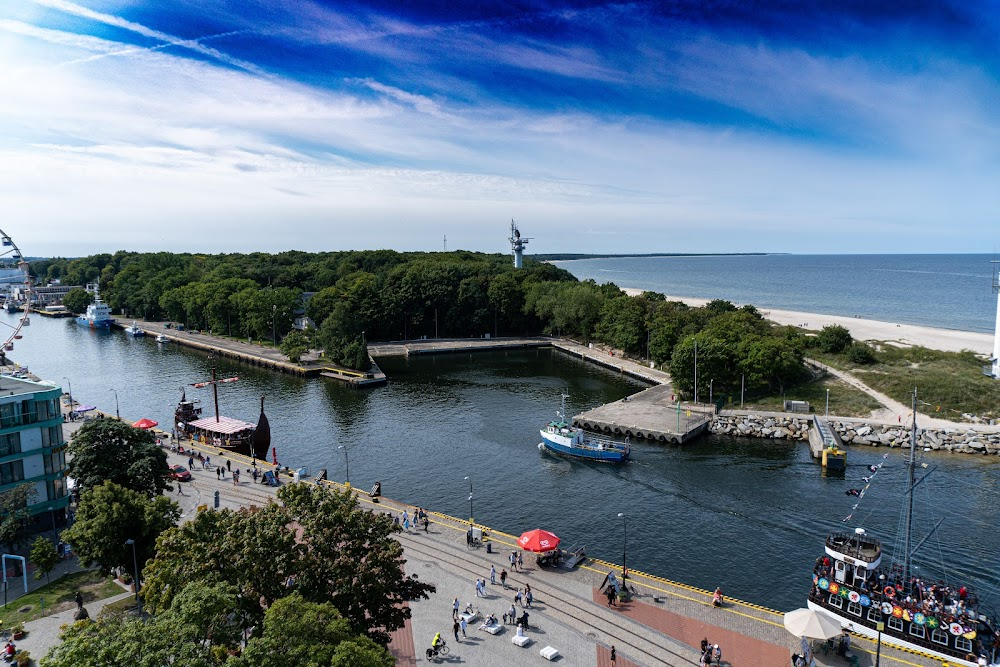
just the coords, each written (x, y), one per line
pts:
(748, 515)
(946, 291)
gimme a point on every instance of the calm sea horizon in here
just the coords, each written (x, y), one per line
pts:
(944, 291)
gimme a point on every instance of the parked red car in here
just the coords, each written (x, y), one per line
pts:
(180, 473)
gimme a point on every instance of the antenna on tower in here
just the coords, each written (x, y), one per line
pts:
(446, 243)
(517, 244)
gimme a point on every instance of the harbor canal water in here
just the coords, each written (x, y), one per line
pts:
(749, 515)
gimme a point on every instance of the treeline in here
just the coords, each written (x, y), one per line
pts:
(386, 295)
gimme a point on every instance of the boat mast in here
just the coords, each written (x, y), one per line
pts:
(562, 415)
(909, 492)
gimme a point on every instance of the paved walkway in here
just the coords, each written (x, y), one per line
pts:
(44, 633)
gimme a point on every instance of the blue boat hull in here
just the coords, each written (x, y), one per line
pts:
(608, 455)
(98, 324)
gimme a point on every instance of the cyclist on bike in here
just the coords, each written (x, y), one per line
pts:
(437, 642)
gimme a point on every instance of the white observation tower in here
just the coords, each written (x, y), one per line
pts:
(994, 369)
(517, 244)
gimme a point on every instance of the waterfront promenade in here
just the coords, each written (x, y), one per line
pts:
(661, 626)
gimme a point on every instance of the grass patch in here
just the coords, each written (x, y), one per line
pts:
(124, 606)
(952, 383)
(845, 400)
(59, 596)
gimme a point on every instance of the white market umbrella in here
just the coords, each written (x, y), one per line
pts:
(812, 624)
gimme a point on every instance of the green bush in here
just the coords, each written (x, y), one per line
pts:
(834, 338)
(861, 353)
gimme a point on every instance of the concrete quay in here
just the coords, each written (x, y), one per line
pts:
(662, 625)
(652, 414)
(260, 355)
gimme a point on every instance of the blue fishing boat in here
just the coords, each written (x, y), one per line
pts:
(561, 437)
(98, 315)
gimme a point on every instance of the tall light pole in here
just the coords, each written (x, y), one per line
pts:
(117, 411)
(471, 520)
(827, 403)
(696, 371)
(621, 515)
(135, 570)
(347, 460)
(70, 393)
(274, 328)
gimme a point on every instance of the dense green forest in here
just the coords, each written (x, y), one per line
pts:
(356, 296)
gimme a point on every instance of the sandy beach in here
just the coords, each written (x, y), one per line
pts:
(872, 330)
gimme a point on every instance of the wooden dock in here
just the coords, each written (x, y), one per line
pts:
(652, 414)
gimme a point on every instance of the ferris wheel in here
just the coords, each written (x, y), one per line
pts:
(11, 258)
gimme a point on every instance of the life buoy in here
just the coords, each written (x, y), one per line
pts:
(886, 608)
(889, 591)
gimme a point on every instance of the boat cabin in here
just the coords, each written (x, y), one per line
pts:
(855, 555)
(220, 431)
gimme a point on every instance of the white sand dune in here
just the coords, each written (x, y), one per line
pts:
(948, 340)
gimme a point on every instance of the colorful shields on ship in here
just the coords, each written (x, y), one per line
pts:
(145, 423)
(812, 624)
(538, 540)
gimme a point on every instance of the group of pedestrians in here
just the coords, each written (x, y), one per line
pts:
(419, 519)
(516, 561)
(711, 654)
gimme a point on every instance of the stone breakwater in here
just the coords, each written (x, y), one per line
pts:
(858, 433)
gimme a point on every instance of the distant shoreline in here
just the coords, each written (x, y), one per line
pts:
(569, 257)
(948, 340)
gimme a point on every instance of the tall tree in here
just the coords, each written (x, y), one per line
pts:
(351, 559)
(44, 557)
(112, 450)
(108, 516)
(15, 515)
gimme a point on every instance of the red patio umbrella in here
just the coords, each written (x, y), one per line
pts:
(538, 540)
(145, 423)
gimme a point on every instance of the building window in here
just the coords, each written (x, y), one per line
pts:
(917, 630)
(874, 615)
(8, 416)
(939, 636)
(29, 413)
(11, 472)
(10, 443)
(895, 624)
(854, 608)
(963, 644)
(836, 601)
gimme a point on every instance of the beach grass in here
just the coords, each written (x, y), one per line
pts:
(58, 596)
(845, 400)
(949, 384)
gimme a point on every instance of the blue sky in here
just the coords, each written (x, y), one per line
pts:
(634, 127)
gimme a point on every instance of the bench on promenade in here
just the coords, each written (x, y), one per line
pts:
(549, 653)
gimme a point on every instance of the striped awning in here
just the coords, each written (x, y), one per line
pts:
(224, 426)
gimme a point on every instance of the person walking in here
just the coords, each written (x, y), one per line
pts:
(180, 491)
(518, 599)
(512, 613)
(229, 465)
(614, 656)
(454, 609)
(190, 463)
(503, 578)
(463, 625)
(493, 575)
(520, 560)
(79, 600)
(208, 461)
(455, 628)
(218, 473)
(406, 522)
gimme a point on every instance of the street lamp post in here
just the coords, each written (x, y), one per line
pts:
(135, 570)
(70, 393)
(880, 626)
(347, 460)
(827, 403)
(117, 411)
(471, 514)
(621, 515)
